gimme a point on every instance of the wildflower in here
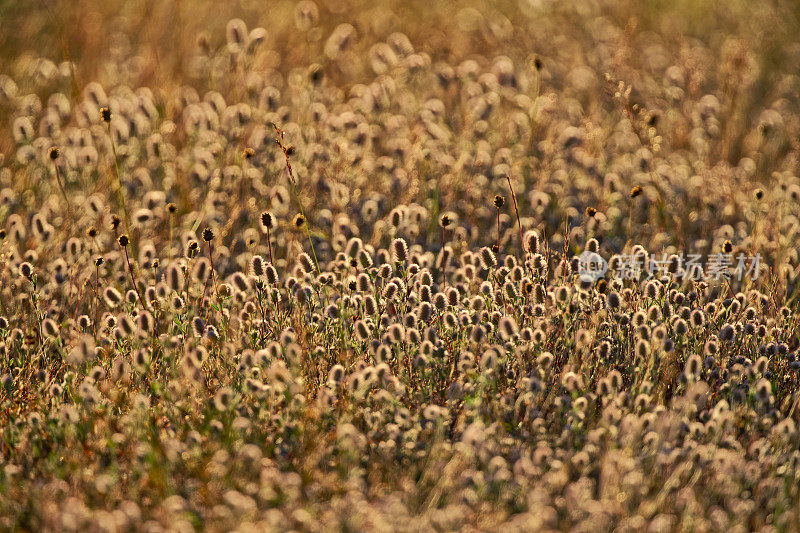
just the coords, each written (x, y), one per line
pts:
(192, 247)
(174, 278)
(198, 326)
(211, 332)
(240, 282)
(400, 250)
(487, 258)
(508, 327)
(353, 248)
(727, 247)
(304, 260)
(396, 217)
(271, 274)
(49, 327)
(642, 349)
(335, 376)
(257, 266)
(145, 321)
(267, 220)
(202, 270)
(364, 259)
(763, 391)
(26, 269)
(697, 318)
(112, 297)
(693, 365)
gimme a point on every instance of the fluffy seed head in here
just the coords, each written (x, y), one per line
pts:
(306, 265)
(267, 220)
(399, 250)
(487, 258)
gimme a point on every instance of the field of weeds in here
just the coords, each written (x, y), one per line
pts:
(399, 266)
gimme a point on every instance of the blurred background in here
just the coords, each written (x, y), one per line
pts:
(744, 52)
(696, 101)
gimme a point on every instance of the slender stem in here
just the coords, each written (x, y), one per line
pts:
(498, 234)
(516, 210)
(133, 280)
(269, 244)
(171, 225)
(120, 194)
(205, 287)
(444, 263)
(211, 259)
(61, 187)
(630, 218)
(96, 299)
(80, 298)
(279, 140)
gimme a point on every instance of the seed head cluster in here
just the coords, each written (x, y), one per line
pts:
(325, 274)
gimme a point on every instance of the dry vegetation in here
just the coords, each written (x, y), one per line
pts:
(278, 265)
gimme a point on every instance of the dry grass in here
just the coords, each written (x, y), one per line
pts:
(315, 267)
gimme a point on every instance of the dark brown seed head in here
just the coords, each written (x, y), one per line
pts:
(299, 220)
(499, 201)
(759, 194)
(208, 235)
(315, 74)
(53, 153)
(267, 220)
(445, 220)
(105, 114)
(727, 247)
(123, 240)
(91, 232)
(114, 222)
(636, 191)
(248, 153)
(98, 261)
(171, 207)
(591, 211)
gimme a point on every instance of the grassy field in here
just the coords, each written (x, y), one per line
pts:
(271, 266)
